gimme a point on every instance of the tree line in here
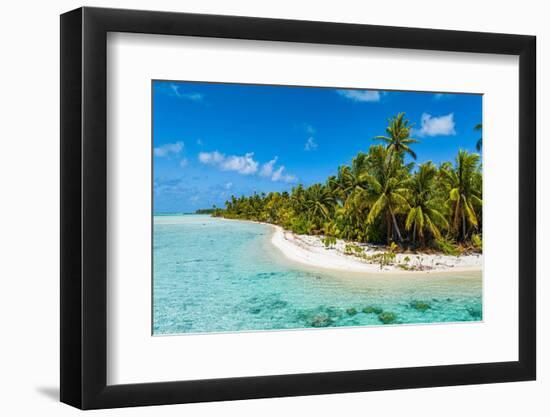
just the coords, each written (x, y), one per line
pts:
(379, 198)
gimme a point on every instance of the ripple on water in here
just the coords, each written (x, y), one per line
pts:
(212, 275)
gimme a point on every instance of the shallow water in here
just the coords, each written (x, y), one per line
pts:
(215, 275)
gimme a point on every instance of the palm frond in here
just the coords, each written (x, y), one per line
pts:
(377, 208)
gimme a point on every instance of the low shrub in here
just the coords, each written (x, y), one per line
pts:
(301, 226)
(477, 241)
(328, 241)
(384, 258)
(446, 246)
(348, 250)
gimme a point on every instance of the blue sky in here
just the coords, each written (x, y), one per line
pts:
(214, 140)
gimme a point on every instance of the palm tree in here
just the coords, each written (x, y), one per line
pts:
(319, 203)
(398, 139)
(272, 205)
(351, 179)
(340, 183)
(464, 194)
(297, 198)
(388, 188)
(424, 214)
(333, 185)
(352, 214)
(479, 142)
(378, 197)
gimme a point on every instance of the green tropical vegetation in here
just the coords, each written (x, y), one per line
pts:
(206, 211)
(479, 143)
(380, 198)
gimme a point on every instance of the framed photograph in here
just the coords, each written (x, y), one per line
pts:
(257, 208)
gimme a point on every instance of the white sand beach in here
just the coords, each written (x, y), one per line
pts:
(310, 250)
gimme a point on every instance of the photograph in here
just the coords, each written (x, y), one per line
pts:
(282, 207)
(270, 209)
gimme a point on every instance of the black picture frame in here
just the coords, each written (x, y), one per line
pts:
(84, 207)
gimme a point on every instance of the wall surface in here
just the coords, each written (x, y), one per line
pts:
(29, 219)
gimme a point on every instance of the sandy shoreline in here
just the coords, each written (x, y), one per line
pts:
(310, 250)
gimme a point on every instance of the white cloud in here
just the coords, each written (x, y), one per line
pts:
(168, 149)
(279, 176)
(309, 129)
(242, 164)
(184, 162)
(194, 96)
(199, 142)
(211, 158)
(179, 92)
(360, 95)
(267, 168)
(276, 174)
(436, 126)
(228, 185)
(310, 145)
(246, 165)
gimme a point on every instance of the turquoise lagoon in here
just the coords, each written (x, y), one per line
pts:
(216, 275)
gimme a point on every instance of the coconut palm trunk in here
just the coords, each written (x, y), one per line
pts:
(396, 227)
(388, 229)
(463, 226)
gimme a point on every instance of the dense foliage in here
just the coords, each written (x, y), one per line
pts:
(381, 199)
(206, 211)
